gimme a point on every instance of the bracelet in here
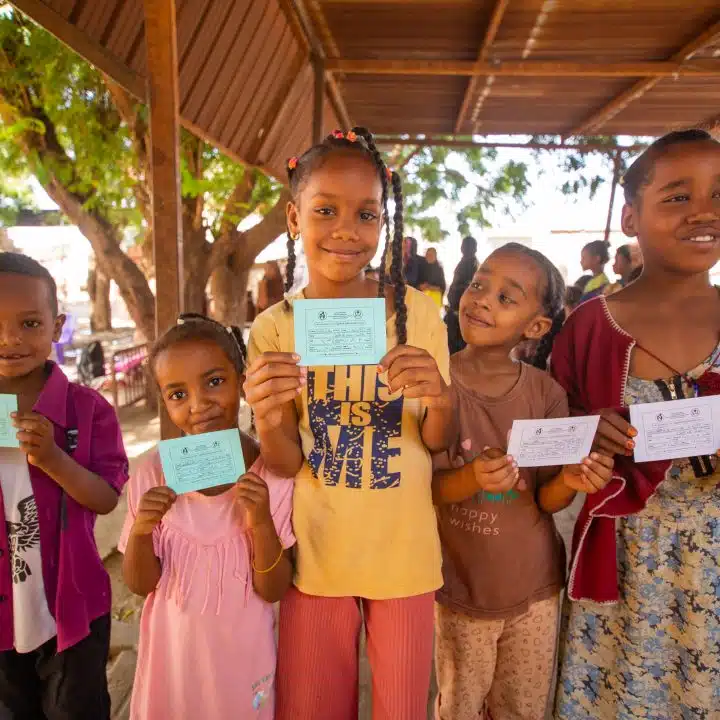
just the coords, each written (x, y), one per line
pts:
(273, 566)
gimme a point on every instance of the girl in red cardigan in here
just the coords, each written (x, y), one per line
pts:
(642, 635)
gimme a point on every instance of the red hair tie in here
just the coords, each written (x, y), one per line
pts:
(351, 136)
(292, 163)
(388, 172)
(338, 134)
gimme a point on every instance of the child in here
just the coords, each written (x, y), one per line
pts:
(503, 561)
(70, 467)
(646, 548)
(209, 562)
(595, 256)
(357, 439)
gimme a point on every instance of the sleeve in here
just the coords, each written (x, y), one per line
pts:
(107, 452)
(263, 337)
(562, 366)
(148, 475)
(281, 496)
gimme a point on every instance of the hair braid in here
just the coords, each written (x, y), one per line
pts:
(290, 268)
(377, 158)
(544, 347)
(396, 269)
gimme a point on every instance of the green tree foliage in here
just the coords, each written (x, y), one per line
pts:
(86, 142)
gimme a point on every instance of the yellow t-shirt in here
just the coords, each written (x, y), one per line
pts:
(363, 513)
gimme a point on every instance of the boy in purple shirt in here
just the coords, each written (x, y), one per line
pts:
(70, 467)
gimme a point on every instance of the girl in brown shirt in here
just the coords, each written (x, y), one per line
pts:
(503, 561)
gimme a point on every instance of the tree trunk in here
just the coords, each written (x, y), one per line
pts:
(196, 253)
(229, 294)
(99, 292)
(111, 259)
(231, 258)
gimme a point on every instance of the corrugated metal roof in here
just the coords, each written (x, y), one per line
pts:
(246, 82)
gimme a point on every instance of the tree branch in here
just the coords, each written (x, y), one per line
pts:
(241, 195)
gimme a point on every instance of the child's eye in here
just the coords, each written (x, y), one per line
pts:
(475, 285)
(324, 211)
(506, 299)
(216, 381)
(177, 395)
(367, 216)
(677, 198)
(31, 324)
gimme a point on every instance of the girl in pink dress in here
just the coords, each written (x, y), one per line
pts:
(210, 563)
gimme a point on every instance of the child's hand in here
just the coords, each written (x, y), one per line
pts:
(415, 372)
(495, 472)
(36, 436)
(273, 380)
(251, 493)
(590, 477)
(614, 435)
(152, 508)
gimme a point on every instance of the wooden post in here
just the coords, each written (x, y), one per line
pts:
(613, 191)
(162, 64)
(318, 99)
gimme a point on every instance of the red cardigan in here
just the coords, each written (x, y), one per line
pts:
(590, 359)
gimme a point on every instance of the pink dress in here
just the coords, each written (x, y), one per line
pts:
(207, 641)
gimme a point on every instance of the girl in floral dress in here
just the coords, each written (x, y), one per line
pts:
(643, 628)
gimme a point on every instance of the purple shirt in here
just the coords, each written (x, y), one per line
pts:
(76, 583)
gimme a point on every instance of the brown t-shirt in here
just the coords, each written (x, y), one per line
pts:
(501, 553)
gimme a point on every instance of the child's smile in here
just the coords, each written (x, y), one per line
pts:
(27, 325)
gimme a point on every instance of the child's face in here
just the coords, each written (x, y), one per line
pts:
(677, 215)
(502, 305)
(27, 325)
(339, 215)
(200, 386)
(589, 261)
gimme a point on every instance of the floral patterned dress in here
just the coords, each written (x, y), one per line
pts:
(655, 654)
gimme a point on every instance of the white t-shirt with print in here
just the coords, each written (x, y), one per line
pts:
(33, 623)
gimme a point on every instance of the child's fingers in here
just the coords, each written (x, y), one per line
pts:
(595, 479)
(397, 352)
(257, 487)
(617, 421)
(409, 362)
(269, 389)
(28, 439)
(271, 371)
(420, 390)
(605, 461)
(156, 502)
(613, 435)
(577, 482)
(506, 483)
(273, 358)
(274, 402)
(503, 476)
(605, 446)
(490, 465)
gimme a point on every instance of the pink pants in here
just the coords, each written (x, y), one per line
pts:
(317, 673)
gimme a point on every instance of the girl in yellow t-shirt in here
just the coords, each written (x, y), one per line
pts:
(358, 441)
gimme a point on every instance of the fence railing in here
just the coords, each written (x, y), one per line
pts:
(129, 376)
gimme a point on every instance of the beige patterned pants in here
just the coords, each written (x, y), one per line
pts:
(495, 669)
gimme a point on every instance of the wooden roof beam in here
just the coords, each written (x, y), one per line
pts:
(300, 20)
(490, 34)
(621, 101)
(584, 147)
(536, 68)
(81, 43)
